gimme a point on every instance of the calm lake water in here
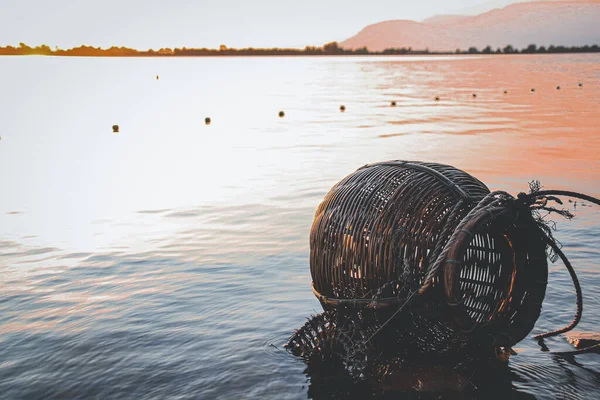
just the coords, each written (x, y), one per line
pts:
(170, 260)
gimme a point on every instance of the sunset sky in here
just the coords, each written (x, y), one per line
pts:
(147, 24)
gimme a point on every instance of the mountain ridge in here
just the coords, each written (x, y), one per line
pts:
(562, 22)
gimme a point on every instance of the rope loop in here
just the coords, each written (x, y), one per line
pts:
(501, 203)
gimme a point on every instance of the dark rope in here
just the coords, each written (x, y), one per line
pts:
(594, 348)
(552, 243)
(497, 199)
(579, 312)
(544, 193)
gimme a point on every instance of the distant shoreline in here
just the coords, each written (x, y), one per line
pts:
(290, 55)
(330, 49)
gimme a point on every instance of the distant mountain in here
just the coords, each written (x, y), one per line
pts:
(568, 23)
(488, 6)
(446, 19)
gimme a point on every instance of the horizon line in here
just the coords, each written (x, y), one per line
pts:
(332, 48)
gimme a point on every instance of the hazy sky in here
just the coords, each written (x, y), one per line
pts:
(207, 23)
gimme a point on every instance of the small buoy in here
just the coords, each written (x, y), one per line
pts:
(281, 114)
(581, 84)
(342, 108)
(115, 128)
(532, 89)
(437, 98)
(474, 95)
(558, 88)
(393, 103)
(207, 121)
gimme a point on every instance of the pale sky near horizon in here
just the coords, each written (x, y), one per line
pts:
(147, 24)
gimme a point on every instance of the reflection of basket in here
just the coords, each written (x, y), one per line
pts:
(393, 225)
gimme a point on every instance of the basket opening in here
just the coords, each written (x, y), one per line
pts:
(486, 275)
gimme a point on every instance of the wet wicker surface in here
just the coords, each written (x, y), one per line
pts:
(395, 228)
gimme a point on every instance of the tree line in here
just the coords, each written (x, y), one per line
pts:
(329, 49)
(533, 49)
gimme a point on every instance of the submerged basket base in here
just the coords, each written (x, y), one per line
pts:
(361, 341)
(340, 364)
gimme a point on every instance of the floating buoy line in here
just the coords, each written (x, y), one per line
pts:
(342, 108)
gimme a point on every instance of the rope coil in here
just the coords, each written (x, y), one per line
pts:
(502, 203)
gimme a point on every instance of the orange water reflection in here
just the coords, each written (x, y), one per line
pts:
(194, 237)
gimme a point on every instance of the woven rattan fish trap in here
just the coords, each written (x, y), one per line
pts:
(413, 256)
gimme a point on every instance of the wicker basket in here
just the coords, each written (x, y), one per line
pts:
(379, 231)
(412, 257)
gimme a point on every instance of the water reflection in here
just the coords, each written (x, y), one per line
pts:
(157, 262)
(419, 380)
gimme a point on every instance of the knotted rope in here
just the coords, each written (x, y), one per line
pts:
(500, 203)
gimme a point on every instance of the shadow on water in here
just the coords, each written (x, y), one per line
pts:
(428, 378)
